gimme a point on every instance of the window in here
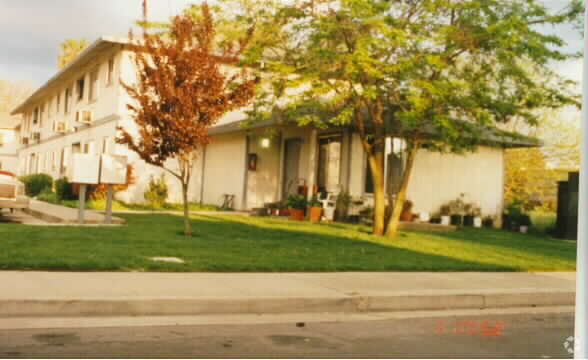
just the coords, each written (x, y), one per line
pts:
(36, 116)
(57, 103)
(67, 100)
(329, 169)
(81, 84)
(110, 73)
(94, 85)
(42, 115)
(393, 168)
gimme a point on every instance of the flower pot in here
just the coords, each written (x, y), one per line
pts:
(330, 213)
(436, 220)
(445, 220)
(296, 214)
(284, 212)
(489, 223)
(468, 220)
(477, 222)
(424, 217)
(315, 213)
(456, 220)
(406, 216)
(523, 229)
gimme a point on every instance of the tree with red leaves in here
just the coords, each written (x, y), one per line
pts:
(185, 84)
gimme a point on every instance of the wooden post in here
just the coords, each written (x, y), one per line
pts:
(109, 196)
(82, 203)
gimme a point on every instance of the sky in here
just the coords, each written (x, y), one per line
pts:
(31, 31)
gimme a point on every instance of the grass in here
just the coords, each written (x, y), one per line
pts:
(236, 243)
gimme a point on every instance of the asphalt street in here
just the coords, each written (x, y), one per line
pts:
(441, 335)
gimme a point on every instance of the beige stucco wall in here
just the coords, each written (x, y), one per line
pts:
(439, 178)
(224, 169)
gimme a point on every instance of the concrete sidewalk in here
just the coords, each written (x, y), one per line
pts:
(57, 214)
(116, 294)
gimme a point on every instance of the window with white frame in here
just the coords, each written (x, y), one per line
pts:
(394, 164)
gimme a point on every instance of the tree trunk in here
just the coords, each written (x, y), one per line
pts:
(187, 221)
(394, 221)
(376, 162)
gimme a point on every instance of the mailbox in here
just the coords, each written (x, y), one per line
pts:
(113, 170)
(84, 169)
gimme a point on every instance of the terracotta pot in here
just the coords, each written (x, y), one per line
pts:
(315, 213)
(406, 216)
(284, 212)
(297, 214)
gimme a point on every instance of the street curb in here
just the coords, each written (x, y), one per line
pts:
(283, 305)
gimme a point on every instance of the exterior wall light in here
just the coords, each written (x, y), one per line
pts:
(265, 143)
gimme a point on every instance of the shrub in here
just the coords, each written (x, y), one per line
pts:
(64, 190)
(36, 183)
(48, 196)
(156, 193)
(297, 201)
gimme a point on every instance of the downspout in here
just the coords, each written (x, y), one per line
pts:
(349, 145)
(245, 174)
(202, 174)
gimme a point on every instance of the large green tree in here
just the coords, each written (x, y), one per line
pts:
(69, 50)
(438, 73)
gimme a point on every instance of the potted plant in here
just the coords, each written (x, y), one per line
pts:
(273, 209)
(468, 219)
(524, 222)
(513, 216)
(315, 209)
(477, 212)
(406, 214)
(457, 210)
(296, 206)
(342, 205)
(488, 221)
(445, 215)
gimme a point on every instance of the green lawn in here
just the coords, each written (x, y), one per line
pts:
(235, 243)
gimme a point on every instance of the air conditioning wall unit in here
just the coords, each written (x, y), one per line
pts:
(60, 127)
(84, 117)
(37, 136)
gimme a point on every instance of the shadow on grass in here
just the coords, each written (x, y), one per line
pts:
(226, 243)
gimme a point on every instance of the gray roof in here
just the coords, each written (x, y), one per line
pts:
(491, 136)
(64, 74)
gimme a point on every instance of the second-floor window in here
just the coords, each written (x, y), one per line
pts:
(36, 116)
(81, 84)
(67, 100)
(94, 85)
(110, 73)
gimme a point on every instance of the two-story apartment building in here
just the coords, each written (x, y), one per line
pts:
(81, 107)
(8, 143)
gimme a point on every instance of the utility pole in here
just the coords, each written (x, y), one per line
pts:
(145, 13)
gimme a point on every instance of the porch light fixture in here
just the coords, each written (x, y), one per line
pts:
(265, 143)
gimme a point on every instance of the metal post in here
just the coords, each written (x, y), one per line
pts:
(82, 203)
(109, 196)
(581, 322)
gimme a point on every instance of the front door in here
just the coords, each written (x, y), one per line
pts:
(292, 151)
(329, 166)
